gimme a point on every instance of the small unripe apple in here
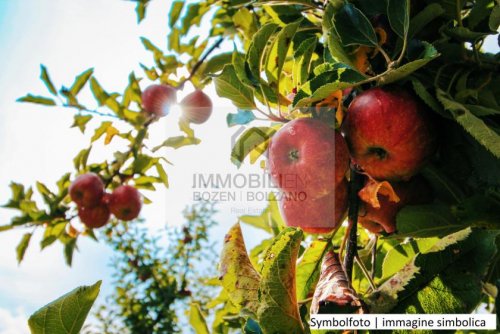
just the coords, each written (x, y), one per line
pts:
(94, 217)
(383, 219)
(157, 99)
(196, 107)
(390, 133)
(306, 155)
(125, 202)
(87, 190)
(316, 215)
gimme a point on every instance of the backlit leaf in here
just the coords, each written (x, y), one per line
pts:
(278, 311)
(239, 277)
(67, 314)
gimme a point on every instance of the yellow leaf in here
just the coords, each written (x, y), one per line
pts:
(111, 131)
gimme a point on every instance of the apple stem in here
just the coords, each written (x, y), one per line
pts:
(351, 248)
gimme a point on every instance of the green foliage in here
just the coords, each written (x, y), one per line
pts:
(65, 315)
(159, 278)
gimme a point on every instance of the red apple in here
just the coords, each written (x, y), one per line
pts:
(87, 190)
(316, 215)
(390, 133)
(306, 155)
(196, 107)
(125, 202)
(157, 99)
(383, 219)
(94, 217)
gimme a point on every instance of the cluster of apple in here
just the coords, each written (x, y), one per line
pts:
(95, 206)
(387, 134)
(196, 107)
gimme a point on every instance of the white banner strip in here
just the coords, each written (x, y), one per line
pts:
(403, 321)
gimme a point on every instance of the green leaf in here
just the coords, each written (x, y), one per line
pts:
(398, 13)
(420, 270)
(279, 51)
(472, 124)
(99, 93)
(162, 174)
(175, 12)
(245, 21)
(353, 27)
(197, 320)
(69, 249)
(174, 41)
(101, 130)
(65, 315)
(48, 196)
(427, 97)
(450, 281)
(424, 17)
(18, 194)
(242, 71)
(193, 16)
(142, 163)
(257, 253)
(178, 141)
(257, 47)
(241, 118)
(494, 20)
(44, 75)
(255, 138)
(37, 100)
(217, 63)
(132, 92)
(302, 61)
(481, 111)
(478, 12)
(424, 221)
(269, 220)
(80, 161)
(443, 187)
(308, 267)
(238, 276)
(229, 86)
(332, 39)
(140, 10)
(148, 45)
(22, 246)
(80, 81)
(464, 34)
(401, 254)
(393, 75)
(278, 310)
(53, 232)
(331, 79)
(80, 122)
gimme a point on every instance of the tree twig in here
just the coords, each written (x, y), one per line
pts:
(351, 247)
(200, 62)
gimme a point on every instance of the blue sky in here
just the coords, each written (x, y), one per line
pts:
(36, 143)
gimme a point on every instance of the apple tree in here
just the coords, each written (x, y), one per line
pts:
(396, 107)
